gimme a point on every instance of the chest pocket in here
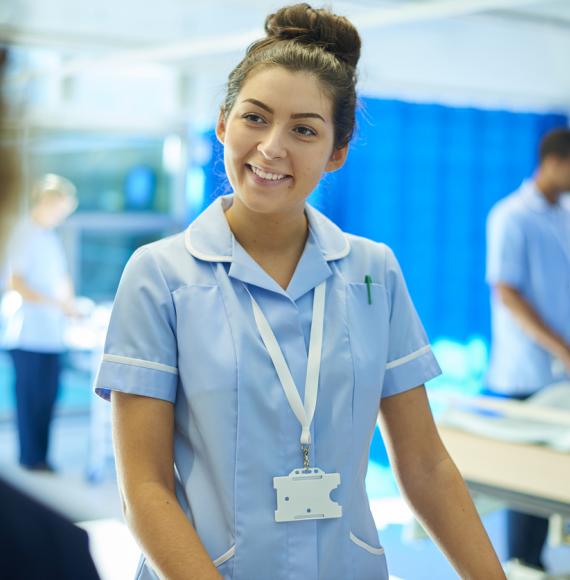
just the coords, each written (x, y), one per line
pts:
(368, 320)
(206, 353)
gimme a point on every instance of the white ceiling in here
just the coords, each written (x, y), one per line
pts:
(114, 25)
(154, 60)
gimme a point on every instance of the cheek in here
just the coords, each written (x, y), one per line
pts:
(233, 154)
(237, 141)
(563, 179)
(311, 167)
(312, 176)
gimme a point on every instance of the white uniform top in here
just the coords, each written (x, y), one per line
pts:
(36, 254)
(528, 248)
(183, 330)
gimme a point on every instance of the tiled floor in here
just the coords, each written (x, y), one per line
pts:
(75, 457)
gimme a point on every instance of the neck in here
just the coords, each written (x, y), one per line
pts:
(268, 234)
(550, 192)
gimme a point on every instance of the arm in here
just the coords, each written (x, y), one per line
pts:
(434, 487)
(532, 323)
(69, 289)
(19, 284)
(143, 430)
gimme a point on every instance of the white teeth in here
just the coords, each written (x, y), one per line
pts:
(264, 175)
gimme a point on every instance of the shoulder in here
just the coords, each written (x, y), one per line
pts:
(361, 247)
(508, 212)
(166, 258)
(369, 257)
(24, 231)
(26, 243)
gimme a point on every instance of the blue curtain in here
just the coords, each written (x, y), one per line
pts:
(422, 178)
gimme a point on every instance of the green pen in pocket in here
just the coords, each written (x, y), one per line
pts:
(368, 282)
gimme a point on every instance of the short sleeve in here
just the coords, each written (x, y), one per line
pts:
(410, 358)
(505, 249)
(140, 354)
(20, 251)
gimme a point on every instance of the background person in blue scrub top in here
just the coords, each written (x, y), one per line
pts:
(528, 267)
(219, 334)
(34, 334)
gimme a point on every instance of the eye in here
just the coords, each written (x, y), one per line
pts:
(253, 118)
(305, 131)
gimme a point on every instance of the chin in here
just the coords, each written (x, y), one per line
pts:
(263, 203)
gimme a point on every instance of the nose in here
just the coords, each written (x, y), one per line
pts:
(272, 145)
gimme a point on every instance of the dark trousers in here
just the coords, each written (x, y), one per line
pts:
(37, 380)
(526, 537)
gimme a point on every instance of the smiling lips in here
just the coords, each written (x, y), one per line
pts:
(266, 176)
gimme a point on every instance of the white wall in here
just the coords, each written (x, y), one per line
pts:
(480, 61)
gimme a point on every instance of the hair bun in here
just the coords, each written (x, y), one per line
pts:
(319, 26)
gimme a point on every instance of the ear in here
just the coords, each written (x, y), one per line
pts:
(337, 159)
(221, 127)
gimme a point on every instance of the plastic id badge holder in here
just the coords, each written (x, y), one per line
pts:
(304, 494)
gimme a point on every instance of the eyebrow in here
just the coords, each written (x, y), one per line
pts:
(267, 108)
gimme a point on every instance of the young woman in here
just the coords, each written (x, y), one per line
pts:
(248, 358)
(34, 334)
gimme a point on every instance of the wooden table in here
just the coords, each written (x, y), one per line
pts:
(529, 478)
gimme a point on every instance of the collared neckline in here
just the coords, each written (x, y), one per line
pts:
(209, 238)
(535, 199)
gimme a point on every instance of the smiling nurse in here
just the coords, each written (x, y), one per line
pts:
(248, 361)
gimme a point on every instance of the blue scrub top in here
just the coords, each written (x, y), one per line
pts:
(528, 248)
(183, 330)
(36, 254)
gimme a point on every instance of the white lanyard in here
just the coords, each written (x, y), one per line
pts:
(304, 494)
(303, 412)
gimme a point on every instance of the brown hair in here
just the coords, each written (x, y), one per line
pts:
(555, 144)
(51, 186)
(303, 39)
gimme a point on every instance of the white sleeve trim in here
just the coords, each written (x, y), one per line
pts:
(365, 546)
(126, 360)
(225, 557)
(408, 357)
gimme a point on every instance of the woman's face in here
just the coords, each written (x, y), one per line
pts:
(278, 140)
(53, 211)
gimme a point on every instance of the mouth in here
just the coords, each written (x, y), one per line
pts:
(265, 177)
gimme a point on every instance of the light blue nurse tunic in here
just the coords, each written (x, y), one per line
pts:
(37, 255)
(528, 248)
(183, 330)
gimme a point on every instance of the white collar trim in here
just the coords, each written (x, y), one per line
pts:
(320, 226)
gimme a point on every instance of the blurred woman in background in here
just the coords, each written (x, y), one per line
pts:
(34, 333)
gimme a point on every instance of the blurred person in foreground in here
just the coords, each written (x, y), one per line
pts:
(9, 201)
(528, 269)
(35, 541)
(34, 333)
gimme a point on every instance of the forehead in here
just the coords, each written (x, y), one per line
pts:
(287, 91)
(57, 200)
(559, 162)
